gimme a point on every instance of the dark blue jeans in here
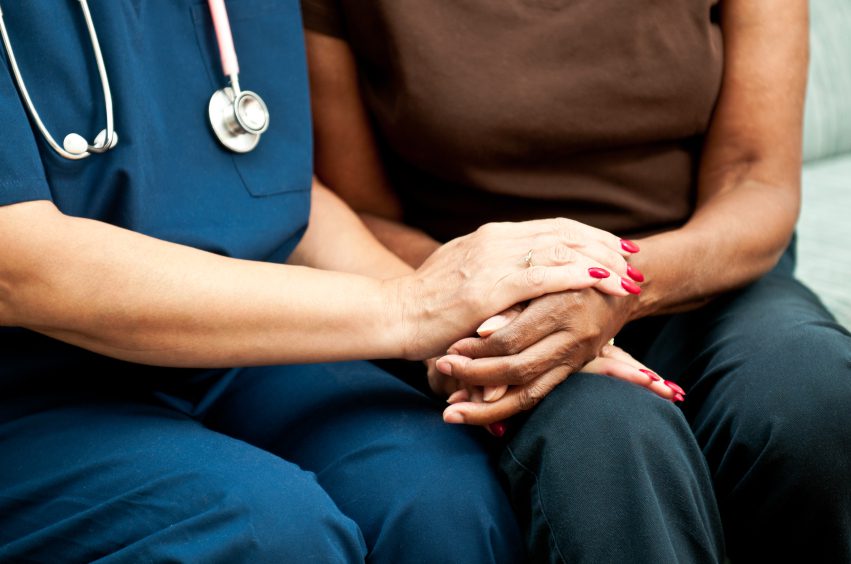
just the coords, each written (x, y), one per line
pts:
(759, 456)
(320, 463)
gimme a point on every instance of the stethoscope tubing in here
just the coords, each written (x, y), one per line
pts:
(107, 94)
(236, 130)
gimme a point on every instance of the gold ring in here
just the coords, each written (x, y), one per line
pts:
(528, 258)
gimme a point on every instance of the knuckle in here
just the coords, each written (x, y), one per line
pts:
(508, 342)
(486, 230)
(529, 397)
(562, 223)
(562, 254)
(524, 400)
(615, 261)
(584, 353)
(525, 370)
(565, 229)
(485, 227)
(554, 319)
(567, 345)
(573, 364)
(524, 373)
(534, 276)
(491, 228)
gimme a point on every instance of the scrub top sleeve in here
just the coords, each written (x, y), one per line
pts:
(22, 175)
(323, 16)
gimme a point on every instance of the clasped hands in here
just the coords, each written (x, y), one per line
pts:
(521, 354)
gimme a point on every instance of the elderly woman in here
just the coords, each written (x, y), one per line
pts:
(677, 124)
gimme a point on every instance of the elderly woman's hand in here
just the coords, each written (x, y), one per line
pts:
(469, 403)
(610, 361)
(550, 340)
(474, 277)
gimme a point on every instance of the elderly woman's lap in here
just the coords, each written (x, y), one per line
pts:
(768, 372)
(768, 376)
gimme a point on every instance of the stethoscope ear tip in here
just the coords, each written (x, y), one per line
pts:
(100, 140)
(75, 144)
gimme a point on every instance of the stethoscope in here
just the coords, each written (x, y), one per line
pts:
(238, 117)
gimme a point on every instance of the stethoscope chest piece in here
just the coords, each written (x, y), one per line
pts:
(238, 118)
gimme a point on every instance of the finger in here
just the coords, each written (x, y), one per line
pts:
(517, 399)
(602, 255)
(458, 395)
(570, 230)
(612, 283)
(516, 369)
(628, 373)
(498, 321)
(564, 255)
(535, 281)
(615, 283)
(537, 321)
(440, 384)
(665, 388)
(493, 393)
(497, 429)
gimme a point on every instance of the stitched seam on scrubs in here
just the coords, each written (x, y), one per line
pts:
(540, 501)
(14, 182)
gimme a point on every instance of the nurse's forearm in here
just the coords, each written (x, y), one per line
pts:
(140, 299)
(336, 239)
(408, 243)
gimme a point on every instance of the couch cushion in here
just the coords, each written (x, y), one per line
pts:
(824, 233)
(827, 119)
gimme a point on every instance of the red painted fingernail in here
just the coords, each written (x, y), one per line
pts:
(674, 386)
(679, 397)
(497, 428)
(630, 286)
(598, 272)
(651, 374)
(634, 273)
(629, 246)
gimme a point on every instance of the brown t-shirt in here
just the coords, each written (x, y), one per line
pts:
(515, 109)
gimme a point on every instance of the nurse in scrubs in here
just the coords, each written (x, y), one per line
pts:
(175, 312)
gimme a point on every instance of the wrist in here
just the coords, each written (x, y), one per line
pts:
(671, 262)
(400, 316)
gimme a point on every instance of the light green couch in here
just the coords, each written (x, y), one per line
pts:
(824, 229)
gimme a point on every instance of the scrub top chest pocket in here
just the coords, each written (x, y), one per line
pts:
(268, 38)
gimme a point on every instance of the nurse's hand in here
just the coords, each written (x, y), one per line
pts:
(476, 276)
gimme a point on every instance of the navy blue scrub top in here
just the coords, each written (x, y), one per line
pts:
(168, 177)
